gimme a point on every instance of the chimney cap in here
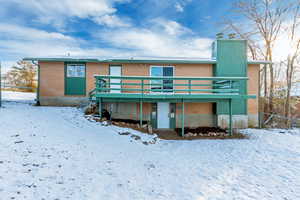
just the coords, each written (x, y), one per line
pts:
(220, 35)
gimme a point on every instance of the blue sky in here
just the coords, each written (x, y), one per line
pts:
(108, 28)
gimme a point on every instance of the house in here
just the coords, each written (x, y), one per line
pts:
(168, 93)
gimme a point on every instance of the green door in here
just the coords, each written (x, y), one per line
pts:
(172, 115)
(75, 79)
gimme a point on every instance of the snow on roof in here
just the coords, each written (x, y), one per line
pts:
(171, 60)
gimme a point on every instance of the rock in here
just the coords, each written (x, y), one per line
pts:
(144, 126)
(17, 135)
(88, 111)
(150, 130)
(136, 137)
(189, 134)
(104, 123)
(124, 133)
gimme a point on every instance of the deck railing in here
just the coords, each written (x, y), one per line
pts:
(150, 89)
(147, 85)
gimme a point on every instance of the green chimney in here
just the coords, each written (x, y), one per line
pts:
(231, 57)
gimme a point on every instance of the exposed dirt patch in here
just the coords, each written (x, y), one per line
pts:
(173, 135)
(190, 133)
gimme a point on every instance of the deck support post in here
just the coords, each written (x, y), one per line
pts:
(182, 119)
(230, 117)
(141, 113)
(100, 108)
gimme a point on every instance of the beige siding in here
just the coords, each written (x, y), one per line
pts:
(193, 70)
(134, 70)
(52, 79)
(253, 88)
(91, 70)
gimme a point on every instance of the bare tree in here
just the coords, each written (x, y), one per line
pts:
(23, 75)
(293, 34)
(260, 22)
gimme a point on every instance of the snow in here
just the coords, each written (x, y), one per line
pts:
(18, 96)
(56, 153)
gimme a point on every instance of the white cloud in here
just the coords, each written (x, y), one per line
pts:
(162, 37)
(150, 43)
(112, 21)
(17, 42)
(20, 41)
(170, 27)
(25, 33)
(179, 7)
(56, 12)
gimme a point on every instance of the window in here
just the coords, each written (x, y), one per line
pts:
(76, 70)
(160, 71)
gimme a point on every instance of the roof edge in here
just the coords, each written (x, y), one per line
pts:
(259, 62)
(150, 61)
(154, 61)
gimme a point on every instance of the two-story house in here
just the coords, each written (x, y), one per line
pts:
(168, 93)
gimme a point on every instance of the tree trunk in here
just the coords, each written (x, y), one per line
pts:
(271, 89)
(265, 103)
(289, 78)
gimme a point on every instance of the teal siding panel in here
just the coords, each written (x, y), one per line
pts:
(232, 62)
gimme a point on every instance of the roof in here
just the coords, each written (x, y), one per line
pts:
(259, 62)
(62, 59)
(133, 60)
(170, 60)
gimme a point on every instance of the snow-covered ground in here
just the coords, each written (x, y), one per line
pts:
(56, 153)
(25, 97)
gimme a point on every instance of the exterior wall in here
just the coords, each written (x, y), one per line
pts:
(253, 89)
(134, 70)
(52, 83)
(251, 119)
(238, 121)
(203, 70)
(128, 110)
(196, 114)
(52, 75)
(91, 70)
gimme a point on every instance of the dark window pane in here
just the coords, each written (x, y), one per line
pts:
(168, 71)
(168, 84)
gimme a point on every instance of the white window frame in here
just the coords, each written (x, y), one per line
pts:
(162, 66)
(75, 73)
